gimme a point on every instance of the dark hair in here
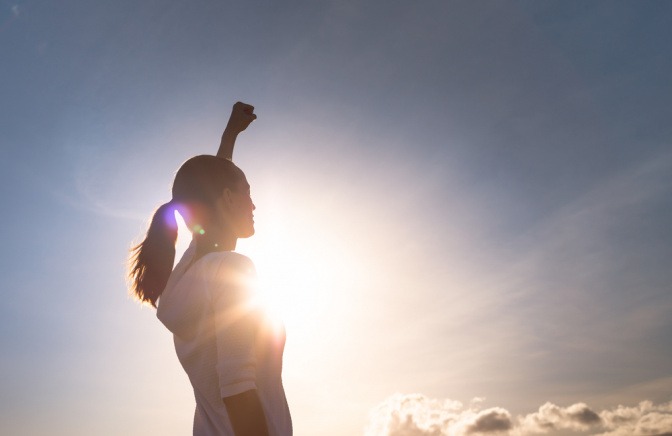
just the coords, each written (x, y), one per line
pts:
(198, 184)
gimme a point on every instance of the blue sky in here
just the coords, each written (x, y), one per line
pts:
(456, 200)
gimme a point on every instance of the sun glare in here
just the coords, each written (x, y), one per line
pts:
(183, 237)
(298, 270)
(295, 281)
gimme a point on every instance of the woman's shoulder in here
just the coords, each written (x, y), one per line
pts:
(227, 261)
(227, 274)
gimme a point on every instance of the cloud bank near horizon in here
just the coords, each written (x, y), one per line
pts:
(419, 415)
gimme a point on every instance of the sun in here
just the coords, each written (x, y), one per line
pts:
(295, 276)
(298, 269)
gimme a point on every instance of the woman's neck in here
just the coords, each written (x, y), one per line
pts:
(210, 243)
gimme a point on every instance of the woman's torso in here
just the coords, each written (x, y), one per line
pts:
(224, 342)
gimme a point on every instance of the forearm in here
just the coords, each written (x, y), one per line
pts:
(226, 145)
(242, 115)
(246, 414)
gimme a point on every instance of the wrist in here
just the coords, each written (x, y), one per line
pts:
(230, 132)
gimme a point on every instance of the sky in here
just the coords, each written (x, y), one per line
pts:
(462, 214)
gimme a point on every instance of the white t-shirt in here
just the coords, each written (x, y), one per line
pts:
(223, 340)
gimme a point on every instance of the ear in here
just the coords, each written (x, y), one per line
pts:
(227, 197)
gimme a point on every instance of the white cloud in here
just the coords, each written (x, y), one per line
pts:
(644, 419)
(413, 415)
(578, 417)
(418, 415)
(491, 421)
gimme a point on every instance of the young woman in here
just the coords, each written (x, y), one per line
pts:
(233, 357)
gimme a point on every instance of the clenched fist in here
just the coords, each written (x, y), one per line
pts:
(242, 114)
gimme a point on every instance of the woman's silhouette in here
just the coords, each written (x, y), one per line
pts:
(232, 356)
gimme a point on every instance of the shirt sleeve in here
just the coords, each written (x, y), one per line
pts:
(235, 325)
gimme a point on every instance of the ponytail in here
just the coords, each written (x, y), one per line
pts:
(152, 260)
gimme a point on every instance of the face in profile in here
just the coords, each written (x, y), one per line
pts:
(241, 217)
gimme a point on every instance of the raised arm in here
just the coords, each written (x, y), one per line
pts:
(242, 115)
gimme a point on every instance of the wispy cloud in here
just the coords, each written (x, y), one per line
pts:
(418, 415)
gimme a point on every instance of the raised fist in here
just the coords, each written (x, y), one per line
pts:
(242, 115)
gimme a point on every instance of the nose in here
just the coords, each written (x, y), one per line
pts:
(253, 206)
